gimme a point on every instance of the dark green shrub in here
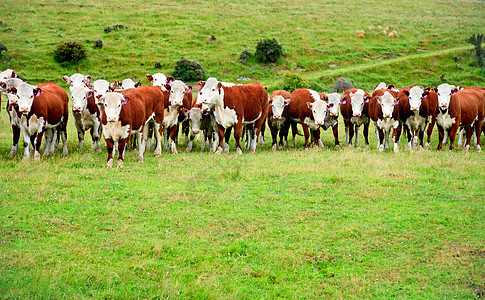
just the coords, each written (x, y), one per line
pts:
(244, 56)
(342, 84)
(476, 40)
(2, 48)
(98, 44)
(187, 70)
(69, 52)
(292, 82)
(268, 50)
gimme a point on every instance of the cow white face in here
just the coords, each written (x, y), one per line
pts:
(25, 95)
(445, 91)
(319, 110)
(334, 104)
(357, 101)
(278, 104)
(415, 97)
(128, 83)
(387, 102)
(177, 92)
(100, 88)
(79, 97)
(7, 74)
(112, 103)
(76, 79)
(195, 117)
(159, 79)
(211, 92)
(9, 88)
(380, 86)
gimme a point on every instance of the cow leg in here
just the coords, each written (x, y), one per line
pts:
(191, 140)
(80, 130)
(157, 132)
(122, 149)
(429, 131)
(380, 139)
(366, 133)
(95, 134)
(284, 134)
(441, 134)
(421, 137)
(141, 137)
(37, 140)
(356, 132)
(149, 135)
(306, 133)
(452, 135)
(254, 141)
(316, 135)
(165, 139)
(396, 137)
(173, 137)
(478, 132)
(346, 124)
(261, 132)
(220, 131)
(15, 137)
(48, 142)
(294, 131)
(469, 132)
(335, 135)
(62, 131)
(109, 145)
(237, 136)
(227, 137)
(27, 144)
(274, 136)
(445, 139)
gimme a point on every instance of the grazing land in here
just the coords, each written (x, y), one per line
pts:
(348, 223)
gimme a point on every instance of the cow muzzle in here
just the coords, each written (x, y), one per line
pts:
(13, 102)
(333, 114)
(356, 114)
(387, 116)
(76, 109)
(195, 131)
(319, 122)
(277, 117)
(414, 108)
(112, 119)
(24, 109)
(444, 104)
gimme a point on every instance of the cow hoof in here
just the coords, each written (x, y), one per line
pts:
(381, 148)
(467, 147)
(396, 148)
(158, 155)
(307, 149)
(337, 147)
(238, 151)
(479, 149)
(219, 150)
(11, 154)
(273, 147)
(37, 157)
(427, 144)
(109, 164)
(120, 163)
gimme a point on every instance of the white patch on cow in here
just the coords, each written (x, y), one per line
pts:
(33, 125)
(150, 117)
(100, 88)
(444, 95)
(416, 122)
(415, 97)
(9, 73)
(226, 117)
(311, 123)
(387, 102)
(170, 117)
(211, 94)
(177, 92)
(278, 105)
(251, 121)
(445, 120)
(79, 96)
(319, 110)
(159, 79)
(114, 131)
(112, 106)
(314, 95)
(381, 86)
(88, 120)
(359, 120)
(77, 79)
(334, 100)
(387, 124)
(357, 102)
(127, 83)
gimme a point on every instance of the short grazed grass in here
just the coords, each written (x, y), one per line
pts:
(348, 223)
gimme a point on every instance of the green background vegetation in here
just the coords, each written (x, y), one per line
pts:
(352, 223)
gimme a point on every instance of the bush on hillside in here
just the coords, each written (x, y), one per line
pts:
(268, 51)
(292, 82)
(476, 40)
(2, 48)
(342, 84)
(244, 56)
(187, 70)
(69, 52)
(98, 44)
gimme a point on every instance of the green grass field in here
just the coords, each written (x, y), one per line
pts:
(348, 223)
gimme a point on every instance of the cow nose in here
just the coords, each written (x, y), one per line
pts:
(204, 108)
(333, 114)
(76, 108)
(414, 108)
(319, 122)
(277, 117)
(13, 101)
(387, 115)
(195, 131)
(24, 109)
(111, 119)
(443, 104)
(356, 114)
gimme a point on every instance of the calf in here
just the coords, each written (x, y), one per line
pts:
(127, 83)
(385, 114)
(86, 115)
(76, 79)
(123, 114)
(235, 106)
(308, 108)
(331, 118)
(159, 79)
(463, 108)
(201, 120)
(12, 110)
(355, 112)
(278, 120)
(100, 88)
(42, 108)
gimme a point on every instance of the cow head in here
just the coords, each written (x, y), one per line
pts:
(177, 92)
(128, 83)
(278, 104)
(195, 116)
(387, 102)
(319, 110)
(445, 91)
(380, 86)
(7, 74)
(211, 92)
(159, 79)
(100, 88)
(25, 95)
(79, 97)
(333, 104)
(357, 101)
(8, 87)
(112, 103)
(76, 79)
(416, 95)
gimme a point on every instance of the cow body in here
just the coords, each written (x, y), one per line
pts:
(86, 115)
(42, 108)
(308, 108)
(201, 121)
(355, 112)
(278, 118)
(385, 114)
(235, 106)
(12, 110)
(331, 118)
(463, 108)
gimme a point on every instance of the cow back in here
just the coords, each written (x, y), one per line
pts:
(133, 111)
(375, 109)
(249, 100)
(282, 93)
(465, 105)
(154, 99)
(52, 103)
(298, 107)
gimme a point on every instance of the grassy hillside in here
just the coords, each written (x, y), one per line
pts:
(348, 223)
(316, 35)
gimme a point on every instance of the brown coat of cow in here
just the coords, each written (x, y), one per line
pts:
(173, 130)
(281, 124)
(376, 115)
(352, 123)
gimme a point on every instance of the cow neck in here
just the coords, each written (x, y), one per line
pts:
(91, 106)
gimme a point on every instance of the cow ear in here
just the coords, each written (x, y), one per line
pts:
(351, 94)
(219, 86)
(149, 77)
(201, 83)
(89, 86)
(14, 75)
(406, 93)
(170, 79)
(125, 100)
(344, 101)
(454, 90)
(425, 94)
(12, 90)
(309, 104)
(270, 101)
(367, 98)
(396, 101)
(99, 100)
(88, 78)
(390, 87)
(137, 84)
(66, 79)
(167, 86)
(117, 83)
(435, 90)
(114, 85)
(3, 85)
(287, 101)
(189, 89)
(37, 92)
(378, 99)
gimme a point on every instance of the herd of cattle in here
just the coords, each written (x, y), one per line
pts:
(122, 110)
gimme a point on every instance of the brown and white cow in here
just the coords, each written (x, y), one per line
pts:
(331, 118)
(100, 88)
(235, 106)
(42, 108)
(7, 74)
(355, 112)
(86, 115)
(127, 83)
(384, 111)
(309, 108)
(201, 122)
(278, 119)
(77, 79)
(159, 79)
(463, 108)
(12, 110)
